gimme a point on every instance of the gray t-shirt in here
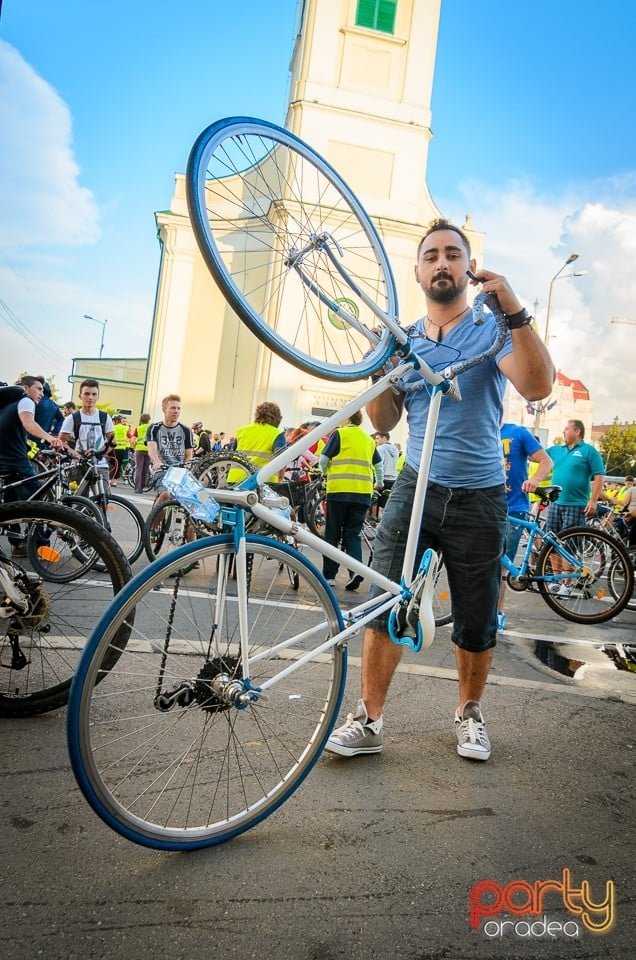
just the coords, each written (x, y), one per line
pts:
(172, 442)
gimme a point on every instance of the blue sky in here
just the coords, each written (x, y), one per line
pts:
(534, 135)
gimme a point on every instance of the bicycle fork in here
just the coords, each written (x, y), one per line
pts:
(412, 621)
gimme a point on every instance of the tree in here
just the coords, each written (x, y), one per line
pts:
(618, 447)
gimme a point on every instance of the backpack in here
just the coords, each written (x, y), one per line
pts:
(77, 422)
(10, 395)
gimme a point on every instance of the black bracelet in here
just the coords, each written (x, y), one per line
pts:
(520, 319)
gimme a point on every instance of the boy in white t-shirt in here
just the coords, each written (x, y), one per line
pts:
(95, 428)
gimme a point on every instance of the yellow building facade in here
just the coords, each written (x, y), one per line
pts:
(360, 94)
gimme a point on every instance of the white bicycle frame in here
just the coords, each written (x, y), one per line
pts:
(356, 617)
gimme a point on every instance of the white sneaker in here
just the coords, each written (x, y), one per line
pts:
(564, 590)
(560, 589)
(331, 583)
(472, 739)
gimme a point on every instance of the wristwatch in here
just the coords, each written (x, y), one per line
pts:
(520, 319)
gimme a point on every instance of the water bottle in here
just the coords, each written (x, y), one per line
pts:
(191, 494)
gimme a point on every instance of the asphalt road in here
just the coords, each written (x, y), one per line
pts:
(376, 856)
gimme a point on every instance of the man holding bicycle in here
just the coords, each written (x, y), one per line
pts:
(465, 514)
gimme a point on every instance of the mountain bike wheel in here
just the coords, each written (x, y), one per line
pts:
(50, 605)
(126, 524)
(163, 749)
(165, 529)
(615, 578)
(218, 470)
(47, 551)
(291, 248)
(588, 597)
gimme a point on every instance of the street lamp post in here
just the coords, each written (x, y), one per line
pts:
(559, 275)
(570, 259)
(102, 323)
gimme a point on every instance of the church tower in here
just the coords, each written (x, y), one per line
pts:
(360, 94)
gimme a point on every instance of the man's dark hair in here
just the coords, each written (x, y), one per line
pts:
(442, 224)
(356, 418)
(89, 383)
(580, 426)
(28, 381)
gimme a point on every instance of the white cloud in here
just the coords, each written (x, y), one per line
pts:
(42, 201)
(529, 237)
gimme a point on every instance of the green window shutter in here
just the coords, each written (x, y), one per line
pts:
(376, 15)
(386, 15)
(365, 14)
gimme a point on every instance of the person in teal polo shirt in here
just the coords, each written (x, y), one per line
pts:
(579, 470)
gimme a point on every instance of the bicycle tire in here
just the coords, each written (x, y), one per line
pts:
(442, 609)
(590, 599)
(316, 514)
(46, 560)
(293, 576)
(125, 522)
(113, 466)
(182, 768)
(40, 645)
(214, 469)
(128, 473)
(268, 212)
(615, 578)
(84, 505)
(165, 528)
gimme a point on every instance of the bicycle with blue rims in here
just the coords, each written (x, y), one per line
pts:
(225, 695)
(583, 574)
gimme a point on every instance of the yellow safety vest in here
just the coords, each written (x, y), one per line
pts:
(140, 442)
(256, 442)
(533, 466)
(121, 436)
(351, 470)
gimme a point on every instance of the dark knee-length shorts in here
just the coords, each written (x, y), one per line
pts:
(469, 528)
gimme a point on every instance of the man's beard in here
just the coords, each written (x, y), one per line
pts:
(452, 291)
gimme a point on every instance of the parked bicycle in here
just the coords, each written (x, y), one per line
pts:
(119, 515)
(51, 595)
(128, 476)
(223, 698)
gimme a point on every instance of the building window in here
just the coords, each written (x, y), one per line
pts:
(376, 15)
